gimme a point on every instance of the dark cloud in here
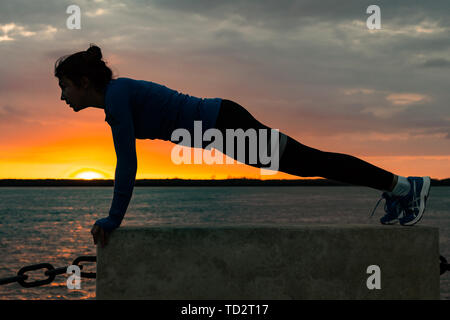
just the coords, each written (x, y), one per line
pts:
(302, 52)
(12, 114)
(432, 128)
(285, 14)
(436, 63)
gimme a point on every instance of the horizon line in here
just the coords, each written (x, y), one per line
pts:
(210, 179)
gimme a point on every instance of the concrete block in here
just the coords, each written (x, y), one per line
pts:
(270, 262)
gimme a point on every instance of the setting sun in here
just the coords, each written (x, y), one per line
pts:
(87, 174)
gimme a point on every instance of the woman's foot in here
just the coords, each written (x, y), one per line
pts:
(415, 201)
(408, 206)
(393, 208)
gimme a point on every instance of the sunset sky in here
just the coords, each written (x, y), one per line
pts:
(311, 69)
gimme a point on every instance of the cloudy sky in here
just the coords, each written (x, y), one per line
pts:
(312, 69)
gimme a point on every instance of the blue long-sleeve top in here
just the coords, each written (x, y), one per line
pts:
(145, 110)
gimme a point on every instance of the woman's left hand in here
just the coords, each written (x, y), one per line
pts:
(100, 235)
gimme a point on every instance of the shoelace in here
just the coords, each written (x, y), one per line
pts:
(413, 205)
(394, 203)
(376, 206)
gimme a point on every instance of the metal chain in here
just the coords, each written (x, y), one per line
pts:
(51, 273)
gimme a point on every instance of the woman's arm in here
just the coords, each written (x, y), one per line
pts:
(122, 127)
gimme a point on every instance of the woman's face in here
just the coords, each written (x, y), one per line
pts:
(73, 95)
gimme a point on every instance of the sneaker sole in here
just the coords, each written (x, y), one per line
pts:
(424, 193)
(390, 223)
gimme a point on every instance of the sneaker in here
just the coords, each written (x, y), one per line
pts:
(415, 201)
(392, 207)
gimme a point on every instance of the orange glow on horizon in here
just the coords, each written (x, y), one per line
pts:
(87, 174)
(82, 147)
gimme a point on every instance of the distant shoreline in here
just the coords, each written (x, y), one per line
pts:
(181, 182)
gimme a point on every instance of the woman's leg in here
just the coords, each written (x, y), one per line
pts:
(300, 160)
(304, 161)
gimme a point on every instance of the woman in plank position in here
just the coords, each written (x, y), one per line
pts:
(147, 110)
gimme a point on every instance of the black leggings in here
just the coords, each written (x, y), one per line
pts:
(300, 160)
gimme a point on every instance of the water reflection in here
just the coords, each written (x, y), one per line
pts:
(53, 224)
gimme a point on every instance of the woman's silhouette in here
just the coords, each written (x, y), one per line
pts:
(146, 110)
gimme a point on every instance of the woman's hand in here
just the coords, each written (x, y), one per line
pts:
(99, 234)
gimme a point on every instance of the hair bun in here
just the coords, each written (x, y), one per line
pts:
(94, 52)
